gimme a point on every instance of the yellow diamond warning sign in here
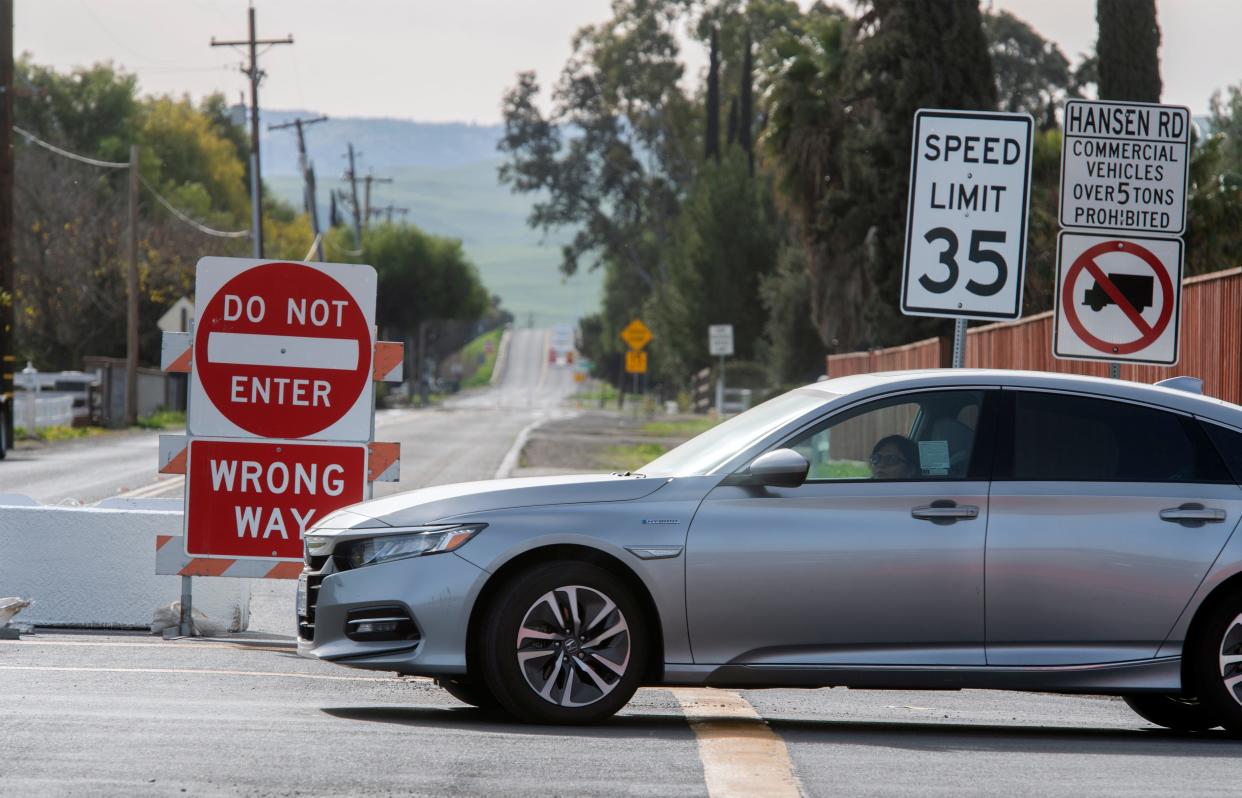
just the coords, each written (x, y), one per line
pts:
(636, 335)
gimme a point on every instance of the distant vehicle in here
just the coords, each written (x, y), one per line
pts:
(916, 530)
(561, 345)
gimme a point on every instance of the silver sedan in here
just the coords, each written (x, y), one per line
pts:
(918, 530)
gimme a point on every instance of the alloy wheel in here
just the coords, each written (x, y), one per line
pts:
(573, 646)
(1231, 658)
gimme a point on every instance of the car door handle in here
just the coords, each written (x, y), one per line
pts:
(945, 512)
(1193, 512)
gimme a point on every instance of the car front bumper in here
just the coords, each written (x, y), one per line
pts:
(437, 591)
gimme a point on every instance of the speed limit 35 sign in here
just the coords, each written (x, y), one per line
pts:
(965, 252)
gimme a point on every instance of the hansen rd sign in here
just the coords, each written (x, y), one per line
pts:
(1124, 167)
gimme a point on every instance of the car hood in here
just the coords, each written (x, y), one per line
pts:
(428, 505)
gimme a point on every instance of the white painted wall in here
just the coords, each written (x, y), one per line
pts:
(87, 566)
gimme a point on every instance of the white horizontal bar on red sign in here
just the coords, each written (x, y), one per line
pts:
(254, 349)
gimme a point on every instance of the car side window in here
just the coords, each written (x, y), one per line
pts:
(1083, 439)
(1229, 444)
(926, 435)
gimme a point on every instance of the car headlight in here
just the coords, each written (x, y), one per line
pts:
(402, 543)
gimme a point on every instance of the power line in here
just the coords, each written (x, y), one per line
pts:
(73, 155)
(184, 217)
(202, 228)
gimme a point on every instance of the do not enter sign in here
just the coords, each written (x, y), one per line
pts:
(1117, 298)
(283, 350)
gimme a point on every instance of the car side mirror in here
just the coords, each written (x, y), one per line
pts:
(782, 468)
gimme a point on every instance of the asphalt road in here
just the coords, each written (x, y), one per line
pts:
(125, 714)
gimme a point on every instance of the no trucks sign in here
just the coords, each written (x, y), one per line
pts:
(283, 350)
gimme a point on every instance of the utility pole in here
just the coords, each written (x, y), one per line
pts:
(308, 176)
(352, 177)
(131, 296)
(368, 180)
(387, 211)
(8, 356)
(255, 74)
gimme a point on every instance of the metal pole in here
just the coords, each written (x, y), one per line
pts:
(8, 332)
(959, 343)
(353, 189)
(131, 296)
(1114, 370)
(187, 607)
(256, 179)
(256, 218)
(720, 387)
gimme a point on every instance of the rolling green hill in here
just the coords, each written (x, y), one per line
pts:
(466, 202)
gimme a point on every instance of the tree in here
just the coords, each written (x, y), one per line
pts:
(1128, 50)
(745, 107)
(790, 347)
(618, 148)
(725, 241)
(804, 145)
(1032, 74)
(711, 129)
(911, 54)
(421, 277)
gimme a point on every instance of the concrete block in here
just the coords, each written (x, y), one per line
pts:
(94, 567)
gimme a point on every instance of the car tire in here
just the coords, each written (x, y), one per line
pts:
(1172, 712)
(1216, 662)
(563, 643)
(472, 693)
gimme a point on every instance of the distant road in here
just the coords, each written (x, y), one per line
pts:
(465, 438)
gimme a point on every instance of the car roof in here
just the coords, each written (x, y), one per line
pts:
(860, 385)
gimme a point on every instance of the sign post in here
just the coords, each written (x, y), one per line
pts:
(1124, 175)
(720, 344)
(636, 335)
(965, 249)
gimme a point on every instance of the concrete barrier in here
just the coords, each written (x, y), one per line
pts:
(95, 567)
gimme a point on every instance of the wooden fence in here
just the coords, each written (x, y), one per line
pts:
(1211, 344)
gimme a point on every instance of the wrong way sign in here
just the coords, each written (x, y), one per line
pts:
(258, 498)
(1118, 298)
(965, 249)
(283, 350)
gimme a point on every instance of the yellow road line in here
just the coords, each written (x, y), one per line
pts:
(741, 754)
(209, 672)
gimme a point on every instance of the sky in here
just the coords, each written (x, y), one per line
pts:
(452, 60)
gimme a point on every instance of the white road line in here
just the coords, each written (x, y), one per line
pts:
(510, 460)
(209, 672)
(160, 644)
(741, 754)
(154, 489)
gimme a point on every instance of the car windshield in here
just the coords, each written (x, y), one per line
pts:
(705, 453)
